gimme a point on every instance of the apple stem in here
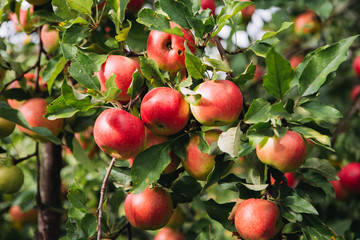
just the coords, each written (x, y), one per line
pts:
(102, 196)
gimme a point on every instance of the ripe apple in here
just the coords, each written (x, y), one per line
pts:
(258, 219)
(350, 177)
(355, 91)
(340, 192)
(6, 127)
(11, 179)
(86, 141)
(248, 11)
(220, 103)
(149, 210)
(38, 2)
(168, 50)
(17, 215)
(119, 133)
(198, 164)
(209, 4)
(50, 38)
(292, 180)
(286, 153)
(295, 60)
(123, 68)
(177, 219)
(169, 234)
(356, 65)
(306, 23)
(134, 6)
(164, 111)
(259, 72)
(23, 23)
(34, 110)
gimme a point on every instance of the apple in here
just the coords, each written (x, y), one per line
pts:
(286, 153)
(17, 215)
(119, 133)
(49, 38)
(23, 23)
(306, 23)
(209, 4)
(151, 140)
(123, 68)
(356, 65)
(6, 127)
(292, 180)
(86, 141)
(34, 110)
(38, 2)
(198, 164)
(168, 50)
(149, 210)
(11, 179)
(257, 219)
(350, 177)
(164, 111)
(220, 103)
(354, 94)
(295, 60)
(169, 234)
(259, 72)
(134, 6)
(248, 11)
(177, 219)
(340, 192)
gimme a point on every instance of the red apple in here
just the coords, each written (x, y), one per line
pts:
(123, 68)
(356, 65)
(164, 111)
(295, 60)
(355, 91)
(11, 179)
(38, 2)
(292, 180)
(150, 209)
(17, 215)
(86, 141)
(220, 103)
(248, 11)
(6, 127)
(169, 234)
(168, 50)
(209, 4)
(286, 153)
(119, 133)
(23, 23)
(198, 164)
(257, 219)
(259, 72)
(134, 6)
(34, 110)
(350, 177)
(306, 23)
(50, 38)
(340, 192)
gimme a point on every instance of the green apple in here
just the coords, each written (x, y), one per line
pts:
(11, 179)
(6, 127)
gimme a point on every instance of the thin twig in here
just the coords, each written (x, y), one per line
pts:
(102, 196)
(222, 53)
(19, 160)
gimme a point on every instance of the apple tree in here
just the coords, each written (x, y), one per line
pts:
(186, 119)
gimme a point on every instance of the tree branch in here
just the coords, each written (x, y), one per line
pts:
(222, 54)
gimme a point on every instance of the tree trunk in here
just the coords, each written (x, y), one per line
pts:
(49, 217)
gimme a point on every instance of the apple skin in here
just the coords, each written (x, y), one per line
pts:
(295, 60)
(23, 23)
(356, 65)
(38, 2)
(49, 38)
(350, 177)
(198, 164)
(292, 180)
(286, 153)
(248, 11)
(6, 127)
(164, 111)
(258, 219)
(11, 179)
(340, 193)
(134, 6)
(259, 72)
(306, 23)
(17, 215)
(220, 103)
(119, 133)
(149, 210)
(209, 4)
(169, 234)
(168, 50)
(355, 91)
(123, 68)
(34, 110)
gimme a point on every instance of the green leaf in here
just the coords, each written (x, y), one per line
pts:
(259, 111)
(218, 65)
(47, 16)
(247, 75)
(59, 109)
(155, 158)
(299, 205)
(322, 166)
(123, 4)
(284, 25)
(194, 66)
(220, 213)
(229, 142)
(72, 229)
(121, 176)
(261, 48)
(82, 6)
(314, 135)
(290, 215)
(75, 34)
(279, 75)
(52, 70)
(317, 179)
(320, 111)
(89, 224)
(61, 9)
(153, 19)
(220, 169)
(73, 98)
(151, 72)
(136, 85)
(81, 156)
(322, 8)
(203, 144)
(185, 189)
(321, 63)
(69, 50)
(77, 197)
(314, 228)
(255, 187)
(123, 33)
(258, 132)
(177, 11)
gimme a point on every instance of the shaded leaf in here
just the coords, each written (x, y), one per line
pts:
(220, 213)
